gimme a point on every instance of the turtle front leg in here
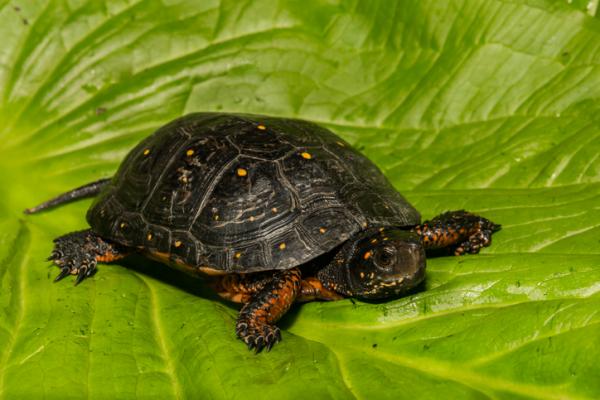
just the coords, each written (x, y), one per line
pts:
(77, 253)
(255, 323)
(459, 231)
(240, 288)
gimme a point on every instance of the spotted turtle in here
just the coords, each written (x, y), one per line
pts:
(271, 210)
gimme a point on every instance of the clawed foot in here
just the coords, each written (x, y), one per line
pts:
(460, 232)
(257, 336)
(476, 242)
(73, 258)
(255, 324)
(480, 232)
(77, 253)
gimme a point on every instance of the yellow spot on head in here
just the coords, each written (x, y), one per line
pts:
(252, 219)
(385, 239)
(368, 255)
(123, 224)
(365, 225)
(238, 255)
(322, 230)
(341, 144)
(178, 243)
(146, 152)
(306, 155)
(381, 229)
(190, 152)
(149, 237)
(274, 209)
(362, 275)
(373, 241)
(261, 127)
(282, 246)
(216, 217)
(242, 172)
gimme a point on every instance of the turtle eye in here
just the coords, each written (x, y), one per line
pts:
(385, 257)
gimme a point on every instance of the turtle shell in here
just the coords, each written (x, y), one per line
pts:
(244, 193)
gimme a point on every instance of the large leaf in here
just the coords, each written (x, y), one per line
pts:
(491, 106)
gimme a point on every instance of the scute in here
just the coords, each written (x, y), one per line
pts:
(245, 208)
(244, 193)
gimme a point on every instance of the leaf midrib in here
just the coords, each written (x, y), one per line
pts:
(161, 339)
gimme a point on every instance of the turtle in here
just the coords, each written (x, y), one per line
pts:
(270, 211)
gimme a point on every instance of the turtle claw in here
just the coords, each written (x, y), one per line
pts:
(272, 339)
(258, 337)
(54, 256)
(260, 343)
(81, 274)
(63, 273)
(268, 346)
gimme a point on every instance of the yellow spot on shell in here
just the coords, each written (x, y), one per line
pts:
(261, 127)
(190, 152)
(178, 243)
(373, 241)
(149, 237)
(274, 209)
(282, 246)
(238, 255)
(242, 172)
(381, 229)
(306, 155)
(216, 217)
(341, 144)
(146, 152)
(368, 255)
(123, 225)
(362, 275)
(385, 239)
(322, 230)
(252, 219)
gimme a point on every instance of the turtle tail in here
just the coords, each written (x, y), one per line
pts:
(87, 190)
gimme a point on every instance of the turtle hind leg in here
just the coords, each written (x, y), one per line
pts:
(77, 253)
(255, 324)
(458, 231)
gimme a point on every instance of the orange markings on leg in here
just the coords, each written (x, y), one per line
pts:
(313, 289)
(109, 257)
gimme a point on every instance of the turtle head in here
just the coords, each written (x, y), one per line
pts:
(377, 264)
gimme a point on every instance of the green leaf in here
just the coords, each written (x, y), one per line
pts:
(487, 105)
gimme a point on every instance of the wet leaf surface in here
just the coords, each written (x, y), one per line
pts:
(490, 106)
